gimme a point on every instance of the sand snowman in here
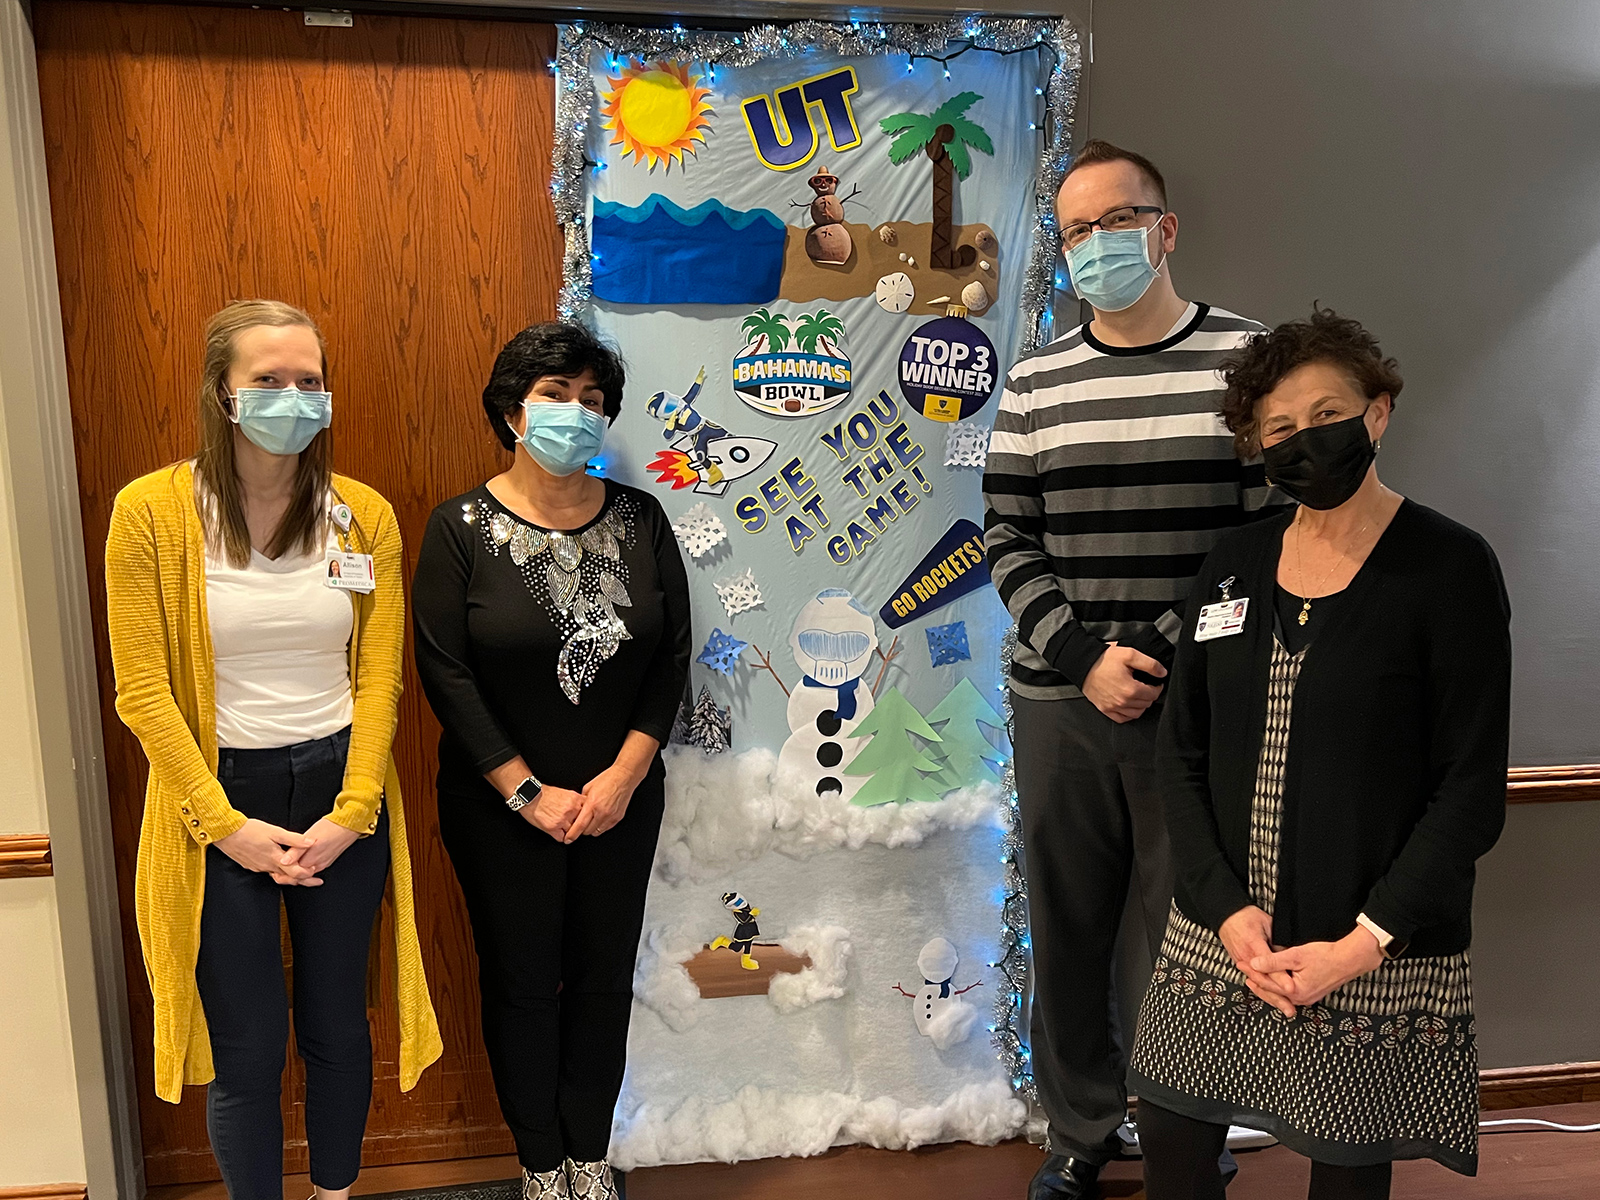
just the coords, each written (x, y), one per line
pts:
(833, 640)
(827, 241)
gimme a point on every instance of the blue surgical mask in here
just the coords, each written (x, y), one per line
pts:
(1111, 269)
(562, 436)
(282, 420)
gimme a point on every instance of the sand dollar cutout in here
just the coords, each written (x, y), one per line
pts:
(895, 293)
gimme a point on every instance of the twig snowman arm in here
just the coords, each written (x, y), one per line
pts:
(903, 992)
(887, 658)
(968, 988)
(766, 665)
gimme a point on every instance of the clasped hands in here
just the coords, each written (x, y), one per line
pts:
(1300, 975)
(1111, 687)
(567, 815)
(291, 859)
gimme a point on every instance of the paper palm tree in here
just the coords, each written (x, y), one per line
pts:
(944, 134)
(774, 327)
(819, 327)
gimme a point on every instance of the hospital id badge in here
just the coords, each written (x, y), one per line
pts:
(350, 572)
(1222, 619)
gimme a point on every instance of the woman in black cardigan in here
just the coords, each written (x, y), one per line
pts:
(1333, 755)
(552, 630)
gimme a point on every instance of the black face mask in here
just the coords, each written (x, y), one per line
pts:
(1324, 465)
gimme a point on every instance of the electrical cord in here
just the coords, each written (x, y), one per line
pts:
(1500, 1126)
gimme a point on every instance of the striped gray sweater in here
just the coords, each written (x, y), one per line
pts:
(1109, 479)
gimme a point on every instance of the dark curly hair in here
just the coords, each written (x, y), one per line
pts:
(551, 348)
(1261, 364)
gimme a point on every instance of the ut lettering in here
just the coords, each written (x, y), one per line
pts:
(788, 138)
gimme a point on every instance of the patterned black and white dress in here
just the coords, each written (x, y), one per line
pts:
(1383, 1068)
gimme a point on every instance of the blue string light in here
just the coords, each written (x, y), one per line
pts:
(1015, 942)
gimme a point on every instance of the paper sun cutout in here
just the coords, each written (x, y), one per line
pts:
(700, 530)
(722, 652)
(948, 643)
(738, 593)
(966, 444)
(655, 112)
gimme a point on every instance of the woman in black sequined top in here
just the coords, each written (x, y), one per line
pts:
(552, 634)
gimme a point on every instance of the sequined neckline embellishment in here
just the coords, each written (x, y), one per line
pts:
(579, 579)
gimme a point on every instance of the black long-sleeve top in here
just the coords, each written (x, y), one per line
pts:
(1395, 780)
(552, 646)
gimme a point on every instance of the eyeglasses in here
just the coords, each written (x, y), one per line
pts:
(1115, 221)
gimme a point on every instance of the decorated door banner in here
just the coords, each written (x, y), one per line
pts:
(819, 247)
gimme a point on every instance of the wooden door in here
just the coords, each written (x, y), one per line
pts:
(392, 180)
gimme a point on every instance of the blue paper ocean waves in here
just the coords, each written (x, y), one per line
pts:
(661, 253)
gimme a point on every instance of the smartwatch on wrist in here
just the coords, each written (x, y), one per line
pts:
(527, 793)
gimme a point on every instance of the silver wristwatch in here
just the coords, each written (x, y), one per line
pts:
(527, 793)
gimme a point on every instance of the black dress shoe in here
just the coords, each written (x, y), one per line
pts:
(1063, 1178)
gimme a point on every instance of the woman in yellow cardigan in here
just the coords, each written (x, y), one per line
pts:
(263, 688)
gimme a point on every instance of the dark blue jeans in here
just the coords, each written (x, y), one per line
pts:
(240, 975)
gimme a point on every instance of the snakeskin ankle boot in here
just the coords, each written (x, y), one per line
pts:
(593, 1181)
(545, 1185)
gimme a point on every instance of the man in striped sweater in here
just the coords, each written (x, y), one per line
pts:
(1110, 476)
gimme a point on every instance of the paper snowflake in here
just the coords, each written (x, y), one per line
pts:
(710, 727)
(966, 444)
(738, 593)
(699, 530)
(722, 652)
(948, 643)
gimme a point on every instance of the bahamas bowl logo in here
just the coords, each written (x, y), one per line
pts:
(792, 371)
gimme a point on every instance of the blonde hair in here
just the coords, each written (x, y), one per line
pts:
(216, 479)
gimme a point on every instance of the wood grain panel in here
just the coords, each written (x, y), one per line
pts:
(1548, 785)
(25, 855)
(1530, 1087)
(46, 1191)
(392, 180)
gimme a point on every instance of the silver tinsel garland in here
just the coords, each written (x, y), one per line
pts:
(1015, 959)
(576, 105)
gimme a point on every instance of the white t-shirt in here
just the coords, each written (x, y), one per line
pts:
(279, 637)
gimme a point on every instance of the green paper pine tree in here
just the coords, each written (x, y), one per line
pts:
(894, 761)
(965, 755)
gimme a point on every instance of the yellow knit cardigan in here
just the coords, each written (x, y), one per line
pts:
(161, 652)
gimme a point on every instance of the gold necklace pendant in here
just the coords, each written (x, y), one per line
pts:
(1305, 611)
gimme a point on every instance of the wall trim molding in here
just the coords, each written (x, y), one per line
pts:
(1548, 785)
(46, 1191)
(42, 470)
(24, 856)
(1532, 1087)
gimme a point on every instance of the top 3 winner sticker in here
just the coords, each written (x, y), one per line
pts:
(947, 369)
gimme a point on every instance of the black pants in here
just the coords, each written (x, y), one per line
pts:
(1091, 821)
(557, 933)
(1180, 1163)
(240, 975)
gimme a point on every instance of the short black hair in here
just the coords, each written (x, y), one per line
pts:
(1098, 150)
(549, 348)
(1258, 366)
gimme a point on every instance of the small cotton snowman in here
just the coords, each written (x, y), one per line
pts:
(938, 1011)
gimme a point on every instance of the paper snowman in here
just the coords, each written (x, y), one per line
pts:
(937, 1009)
(833, 640)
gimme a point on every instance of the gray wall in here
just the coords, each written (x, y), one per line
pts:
(1432, 169)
